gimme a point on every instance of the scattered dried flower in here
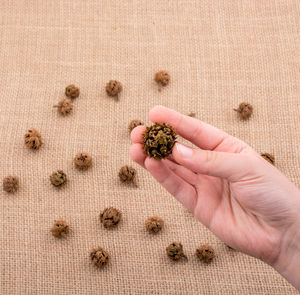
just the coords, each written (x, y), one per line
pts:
(175, 251)
(110, 217)
(83, 161)
(154, 224)
(11, 184)
(133, 124)
(268, 157)
(58, 178)
(99, 257)
(64, 106)
(72, 91)
(162, 78)
(127, 174)
(113, 88)
(244, 110)
(60, 228)
(205, 253)
(33, 139)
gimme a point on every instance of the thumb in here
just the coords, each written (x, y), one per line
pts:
(232, 166)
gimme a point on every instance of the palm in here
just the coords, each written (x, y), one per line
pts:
(218, 208)
(237, 203)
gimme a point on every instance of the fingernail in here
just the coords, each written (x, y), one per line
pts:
(184, 151)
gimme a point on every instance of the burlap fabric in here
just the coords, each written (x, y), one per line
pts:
(218, 53)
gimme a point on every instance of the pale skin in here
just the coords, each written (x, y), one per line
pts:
(231, 189)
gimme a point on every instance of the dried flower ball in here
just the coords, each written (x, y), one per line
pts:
(64, 106)
(99, 256)
(72, 91)
(127, 174)
(205, 253)
(58, 178)
(162, 78)
(192, 114)
(159, 140)
(33, 139)
(60, 228)
(268, 157)
(10, 184)
(110, 217)
(133, 124)
(113, 88)
(175, 251)
(83, 161)
(244, 110)
(154, 224)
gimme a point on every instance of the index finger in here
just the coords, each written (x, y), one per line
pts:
(199, 133)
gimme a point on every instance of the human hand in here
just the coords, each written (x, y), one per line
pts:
(232, 190)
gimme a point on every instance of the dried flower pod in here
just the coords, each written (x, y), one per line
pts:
(192, 114)
(162, 78)
(33, 139)
(244, 110)
(268, 157)
(58, 178)
(110, 217)
(10, 184)
(159, 140)
(64, 106)
(133, 124)
(205, 253)
(99, 257)
(175, 251)
(72, 91)
(154, 224)
(127, 174)
(113, 88)
(83, 161)
(60, 228)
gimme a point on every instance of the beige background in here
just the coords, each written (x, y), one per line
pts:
(218, 52)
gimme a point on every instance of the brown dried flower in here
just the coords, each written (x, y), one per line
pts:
(244, 110)
(268, 157)
(175, 251)
(205, 253)
(133, 124)
(60, 228)
(33, 139)
(83, 161)
(110, 217)
(58, 178)
(159, 140)
(72, 91)
(154, 224)
(64, 106)
(192, 114)
(127, 174)
(10, 184)
(162, 78)
(113, 88)
(99, 256)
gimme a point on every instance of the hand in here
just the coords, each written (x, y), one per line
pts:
(232, 190)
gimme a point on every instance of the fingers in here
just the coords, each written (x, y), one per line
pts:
(231, 166)
(180, 189)
(184, 173)
(199, 133)
(137, 154)
(137, 134)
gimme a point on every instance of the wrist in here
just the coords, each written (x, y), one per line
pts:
(288, 262)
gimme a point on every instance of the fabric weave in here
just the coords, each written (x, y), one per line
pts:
(218, 53)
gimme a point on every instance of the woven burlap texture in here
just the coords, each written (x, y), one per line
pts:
(218, 52)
